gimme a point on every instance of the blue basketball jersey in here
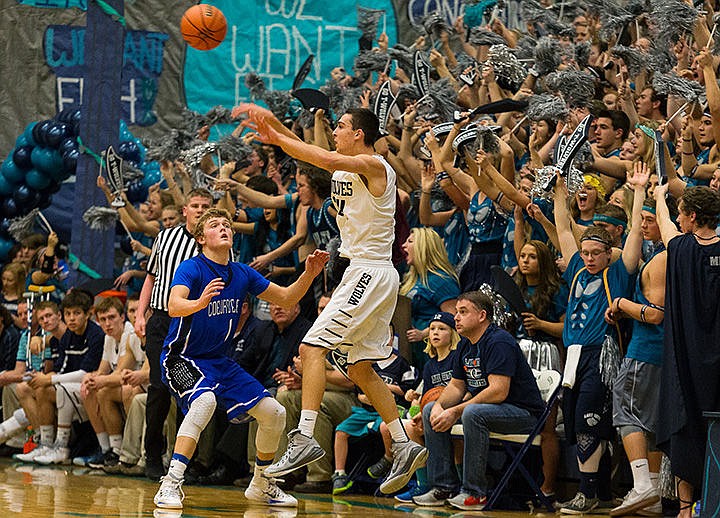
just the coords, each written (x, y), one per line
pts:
(208, 333)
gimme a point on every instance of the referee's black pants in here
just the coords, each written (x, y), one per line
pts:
(158, 395)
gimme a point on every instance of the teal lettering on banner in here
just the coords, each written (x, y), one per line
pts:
(273, 38)
(142, 65)
(61, 4)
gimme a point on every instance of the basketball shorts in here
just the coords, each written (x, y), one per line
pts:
(235, 390)
(357, 317)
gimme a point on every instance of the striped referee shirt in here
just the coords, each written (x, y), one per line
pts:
(171, 247)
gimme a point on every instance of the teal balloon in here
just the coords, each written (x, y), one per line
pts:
(27, 133)
(151, 178)
(5, 246)
(37, 180)
(11, 172)
(6, 188)
(22, 141)
(47, 160)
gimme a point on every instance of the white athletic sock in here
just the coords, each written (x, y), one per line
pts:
(63, 437)
(340, 472)
(115, 443)
(306, 425)
(397, 431)
(641, 475)
(47, 435)
(178, 465)
(103, 441)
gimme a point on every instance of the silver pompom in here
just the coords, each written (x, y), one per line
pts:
(100, 218)
(502, 316)
(547, 107)
(20, 228)
(545, 178)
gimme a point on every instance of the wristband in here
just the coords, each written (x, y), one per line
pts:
(442, 175)
(689, 154)
(642, 313)
(692, 171)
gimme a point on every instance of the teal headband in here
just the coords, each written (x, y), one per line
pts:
(651, 210)
(609, 219)
(649, 132)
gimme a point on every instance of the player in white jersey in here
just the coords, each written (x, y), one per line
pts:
(357, 317)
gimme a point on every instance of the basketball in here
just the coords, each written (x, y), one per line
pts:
(430, 395)
(203, 27)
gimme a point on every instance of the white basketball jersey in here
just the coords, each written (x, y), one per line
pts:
(366, 222)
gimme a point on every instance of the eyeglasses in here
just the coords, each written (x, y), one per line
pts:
(593, 253)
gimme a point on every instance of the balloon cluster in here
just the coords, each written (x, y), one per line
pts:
(46, 154)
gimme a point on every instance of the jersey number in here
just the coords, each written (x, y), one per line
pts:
(339, 205)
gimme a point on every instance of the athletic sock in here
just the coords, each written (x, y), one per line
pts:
(47, 435)
(641, 475)
(103, 441)
(397, 431)
(115, 443)
(588, 484)
(63, 437)
(306, 425)
(178, 465)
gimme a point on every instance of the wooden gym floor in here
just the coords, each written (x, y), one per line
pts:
(65, 491)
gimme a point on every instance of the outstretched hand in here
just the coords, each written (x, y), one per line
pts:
(316, 261)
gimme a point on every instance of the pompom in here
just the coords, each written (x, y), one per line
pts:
(434, 24)
(545, 180)
(368, 61)
(547, 107)
(613, 19)
(672, 84)
(485, 140)
(130, 172)
(404, 57)
(368, 21)
(100, 218)
(20, 228)
(660, 59)
(578, 88)
(439, 103)
(635, 60)
(193, 156)
(547, 55)
(525, 48)
(483, 36)
(218, 115)
(509, 72)
(276, 100)
(672, 19)
(233, 149)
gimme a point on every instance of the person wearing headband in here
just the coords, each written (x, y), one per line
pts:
(594, 283)
(614, 220)
(698, 139)
(635, 394)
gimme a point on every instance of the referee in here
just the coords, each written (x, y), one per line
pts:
(171, 247)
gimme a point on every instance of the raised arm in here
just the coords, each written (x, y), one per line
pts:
(668, 230)
(566, 239)
(633, 244)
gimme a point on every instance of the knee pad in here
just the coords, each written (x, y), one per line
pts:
(270, 416)
(586, 445)
(198, 416)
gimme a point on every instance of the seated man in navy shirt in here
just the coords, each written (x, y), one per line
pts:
(492, 388)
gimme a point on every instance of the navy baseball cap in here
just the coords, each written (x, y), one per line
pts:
(444, 317)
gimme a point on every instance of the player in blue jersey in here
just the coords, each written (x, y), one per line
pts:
(205, 301)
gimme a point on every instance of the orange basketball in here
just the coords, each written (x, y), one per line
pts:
(430, 395)
(203, 27)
